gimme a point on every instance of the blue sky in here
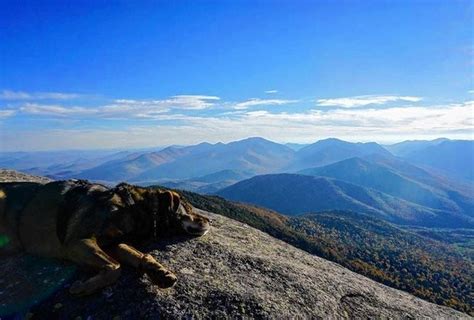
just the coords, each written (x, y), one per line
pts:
(92, 74)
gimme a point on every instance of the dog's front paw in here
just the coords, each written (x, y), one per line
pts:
(157, 273)
(162, 278)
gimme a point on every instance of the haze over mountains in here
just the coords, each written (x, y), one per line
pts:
(249, 156)
(295, 194)
(452, 157)
(425, 183)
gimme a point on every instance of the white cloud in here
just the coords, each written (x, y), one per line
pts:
(394, 123)
(6, 113)
(261, 102)
(21, 95)
(455, 120)
(56, 110)
(471, 91)
(124, 108)
(186, 119)
(271, 91)
(359, 101)
(189, 102)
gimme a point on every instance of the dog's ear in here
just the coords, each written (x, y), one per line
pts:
(176, 201)
(170, 201)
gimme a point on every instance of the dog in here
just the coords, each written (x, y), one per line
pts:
(94, 226)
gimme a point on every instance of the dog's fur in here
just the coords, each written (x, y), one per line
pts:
(93, 226)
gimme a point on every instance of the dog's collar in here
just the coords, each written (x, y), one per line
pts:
(155, 223)
(155, 218)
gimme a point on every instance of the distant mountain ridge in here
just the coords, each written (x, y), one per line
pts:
(396, 183)
(296, 194)
(251, 156)
(255, 155)
(421, 184)
(404, 148)
(332, 150)
(450, 157)
(455, 158)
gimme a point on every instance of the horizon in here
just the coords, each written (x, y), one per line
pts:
(85, 76)
(161, 147)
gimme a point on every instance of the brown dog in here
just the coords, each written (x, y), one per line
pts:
(94, 226)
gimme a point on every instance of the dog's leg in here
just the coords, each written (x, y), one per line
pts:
(87, 253)
(158, 274)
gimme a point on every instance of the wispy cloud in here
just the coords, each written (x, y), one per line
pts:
(21, 95)
(394, 123)
(189, 102)
(261, 102)
(359, 101)
(185, 102)
(6, 113)
(471, 91)
(56, 110)
(124, 108)
(186, 119)
(271, 91)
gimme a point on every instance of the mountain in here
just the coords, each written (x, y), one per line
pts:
(423, 175)
(453, 157)
(295, 194)
(397, 183)
(58, 164)
(249, 157)
(184, 166)
(253, 155)
(333, 150)
(130, 166)
(235, 271)
(404, 148)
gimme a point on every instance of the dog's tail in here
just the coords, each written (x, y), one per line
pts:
(3, 223)
(3, 201)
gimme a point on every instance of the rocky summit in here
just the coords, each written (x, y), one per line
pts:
(7, 175)
(235, 271)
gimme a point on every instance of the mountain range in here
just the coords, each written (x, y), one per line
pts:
(295, 194)
(247, 157)
(453, 158)
(420, 183)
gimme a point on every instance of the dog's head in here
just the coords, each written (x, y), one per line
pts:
(162, 212)
(177, 213)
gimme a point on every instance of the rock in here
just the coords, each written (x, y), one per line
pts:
(7, 175)
(236, 271)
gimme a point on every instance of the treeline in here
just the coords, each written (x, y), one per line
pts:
(426, 268)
